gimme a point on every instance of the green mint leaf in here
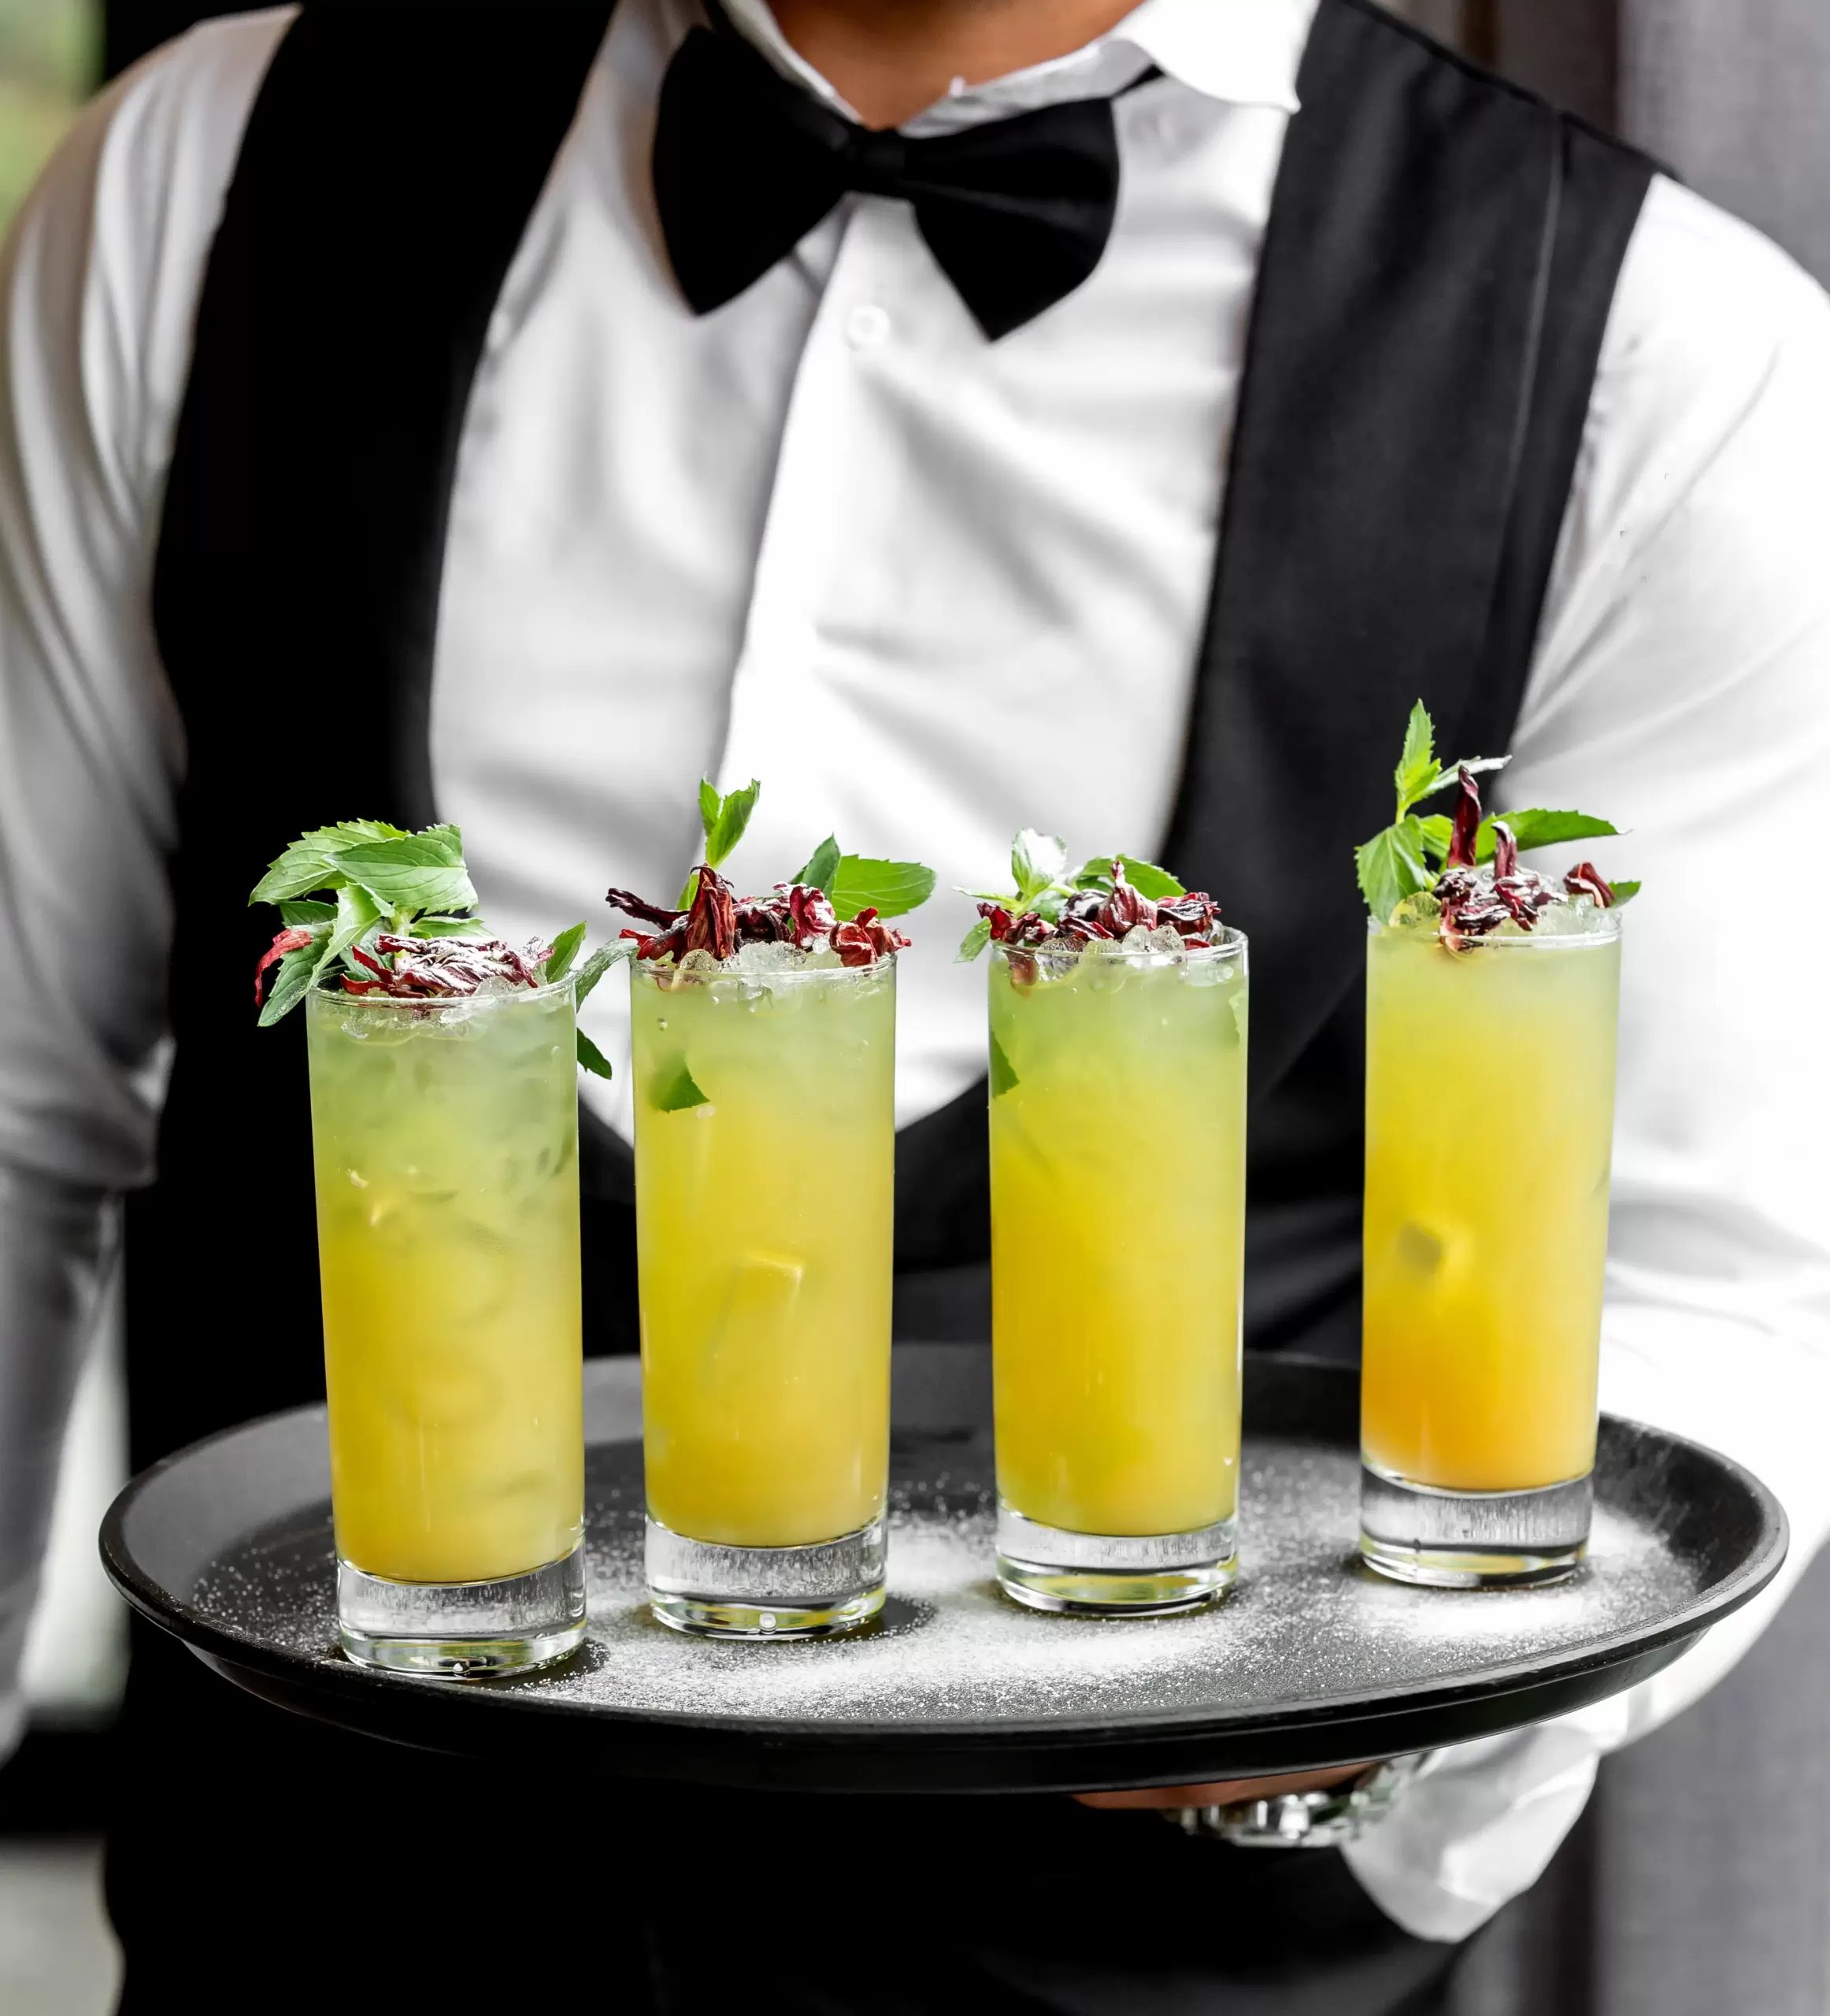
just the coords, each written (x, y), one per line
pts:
(1003, 1079)
(709, 804)
(448, 927)
(598, 964)
(892, 888)
(674, 1089)
(297, 872)
(414, 872)
(1624, 892)
(822, 865)
(592, 1059)
(975, 942)
(306, 917)
(1392, 866)
(1543, 829)
(565, 949)
(688, 889)
(358, 914)
(292, 980)
(1051, 903)
(1530, 829)
(346, 832)
(1157, 884)
(309, 862)
(1416, 766)
(1036, 860)
(733, 812)
(1476, 766)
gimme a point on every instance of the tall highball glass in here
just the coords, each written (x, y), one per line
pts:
(764, 1192)
(1490, 1108)
(1118, 1128)
(445, 1139)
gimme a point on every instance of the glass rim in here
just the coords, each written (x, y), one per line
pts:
(1231, 943)
(652, 970)
(421, 1003)
(1553, 941)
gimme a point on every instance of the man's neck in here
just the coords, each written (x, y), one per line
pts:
(889, 58)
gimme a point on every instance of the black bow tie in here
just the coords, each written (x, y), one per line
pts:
(746, 164)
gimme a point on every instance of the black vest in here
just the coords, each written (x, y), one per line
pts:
(1441, 256)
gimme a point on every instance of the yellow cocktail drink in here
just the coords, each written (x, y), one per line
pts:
(445, 1137)
(1118, 1119)
(1490, 1100)
(765, 1172)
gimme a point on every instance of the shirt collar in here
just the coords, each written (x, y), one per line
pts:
(1242, 52)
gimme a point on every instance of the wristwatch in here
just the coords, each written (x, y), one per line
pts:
(1305, 1820)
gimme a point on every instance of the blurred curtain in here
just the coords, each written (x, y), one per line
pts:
(1737, 98)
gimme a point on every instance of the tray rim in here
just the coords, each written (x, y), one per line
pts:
(1553, 1686)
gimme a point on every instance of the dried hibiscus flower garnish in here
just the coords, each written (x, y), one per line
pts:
(368, 910)
(836, 903)
(1060, 909)
(1461, 872)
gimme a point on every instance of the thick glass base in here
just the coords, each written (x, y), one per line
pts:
(720, 1592)
(1472, 1539)
(1113, 1575)
(461, 1630)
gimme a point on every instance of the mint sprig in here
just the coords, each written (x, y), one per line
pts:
(854, 882)
(383, 881)
(851, 883)
(724, 821)
(1045, 883)
(1395, 864)
(1408, 858)
(565, 949)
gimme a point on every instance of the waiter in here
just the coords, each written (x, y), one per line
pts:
(961, 415)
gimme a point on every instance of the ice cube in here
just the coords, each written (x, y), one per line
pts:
(1166, 938)
(1582, 918)
(1137, 939)
(1421, 913)
(765, 956)
(1107, 973)
(759, 1306)
(697, 962)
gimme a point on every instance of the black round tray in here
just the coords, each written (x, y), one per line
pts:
(1313, 1660)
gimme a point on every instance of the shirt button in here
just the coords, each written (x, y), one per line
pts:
(866, 326)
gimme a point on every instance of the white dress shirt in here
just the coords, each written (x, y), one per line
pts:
(931, 589)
